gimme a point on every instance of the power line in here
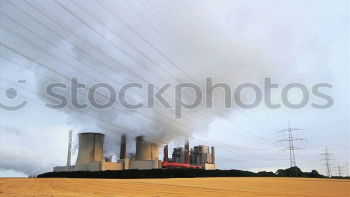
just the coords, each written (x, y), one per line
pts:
(145, 7)
(117, 47)
(68, 64)
(178, 39)
(162, 35)
(95, 32)
(310, 160)
(42, 24)
(46, 52)
(126, 24)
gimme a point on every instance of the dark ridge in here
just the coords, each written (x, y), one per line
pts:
(181, 173)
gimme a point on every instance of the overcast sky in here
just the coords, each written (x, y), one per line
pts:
(162, 42)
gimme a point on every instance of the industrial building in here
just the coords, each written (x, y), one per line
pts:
(197, 157)
(178, 155)
(201, 156)
(91, 158)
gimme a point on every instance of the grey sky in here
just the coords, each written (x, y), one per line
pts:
(169, 42)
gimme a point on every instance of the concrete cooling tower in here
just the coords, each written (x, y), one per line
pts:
(146, 150)
(90, 150)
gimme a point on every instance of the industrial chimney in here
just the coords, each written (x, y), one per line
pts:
(90, 149)
(146, 150)
(187, 151)
(166, 152)
(123, 147)
(69, 156)
(212, 155)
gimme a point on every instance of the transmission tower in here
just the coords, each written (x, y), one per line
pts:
(327, 160)
(347, 168)
(290, 141)
(340, 170)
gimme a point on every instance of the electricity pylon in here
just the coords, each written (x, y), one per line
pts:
(327, 160)
(290, 141)
(340, 170)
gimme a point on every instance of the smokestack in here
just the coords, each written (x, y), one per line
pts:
(187, 151)
(146, 150)
(69, 156)
(90, 149)
(166, 157)
(123, 147)
(213, 154)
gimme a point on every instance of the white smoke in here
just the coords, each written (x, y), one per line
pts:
(95, 52)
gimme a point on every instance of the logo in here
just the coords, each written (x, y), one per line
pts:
(11, 93)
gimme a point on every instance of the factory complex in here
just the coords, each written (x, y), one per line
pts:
(91, 157)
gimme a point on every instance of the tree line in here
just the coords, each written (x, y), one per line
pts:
(181, 173)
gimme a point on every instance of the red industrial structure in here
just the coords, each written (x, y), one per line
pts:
(178, 165)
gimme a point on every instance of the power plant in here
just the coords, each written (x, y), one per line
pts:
(91, 158)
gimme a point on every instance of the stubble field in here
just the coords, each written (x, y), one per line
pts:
(235, 186)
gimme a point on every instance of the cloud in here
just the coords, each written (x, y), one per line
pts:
(31, 151)
(231, 41)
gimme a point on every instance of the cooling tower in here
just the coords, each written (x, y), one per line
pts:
(146, 150)
(90, 149)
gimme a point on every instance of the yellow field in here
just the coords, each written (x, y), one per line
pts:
(175, 187)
